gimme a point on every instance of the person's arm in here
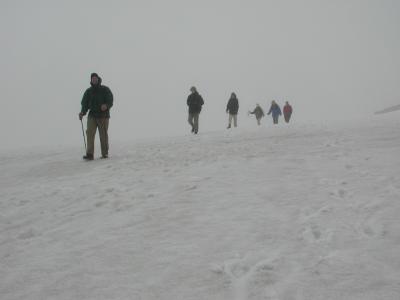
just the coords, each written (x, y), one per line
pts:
(108, 102)
(109, 98)
(229, 105)
(85, 102)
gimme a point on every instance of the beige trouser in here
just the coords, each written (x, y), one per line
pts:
(102, 125)
(193, 120)
(234, 117)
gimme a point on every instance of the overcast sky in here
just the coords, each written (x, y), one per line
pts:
(331, 59)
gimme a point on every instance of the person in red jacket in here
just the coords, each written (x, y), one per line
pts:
(287, 111)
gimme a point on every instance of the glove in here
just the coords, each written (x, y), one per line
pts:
(103, 107)
(81, 116)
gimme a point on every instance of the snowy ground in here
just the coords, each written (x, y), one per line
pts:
(286, 212)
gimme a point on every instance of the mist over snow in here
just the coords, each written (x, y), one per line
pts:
(284, 212)
(332, 60)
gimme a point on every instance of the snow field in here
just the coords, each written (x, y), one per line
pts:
(285, 212)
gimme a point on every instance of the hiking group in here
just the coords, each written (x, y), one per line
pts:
(195, 103)
(98, 100)
(274, 110)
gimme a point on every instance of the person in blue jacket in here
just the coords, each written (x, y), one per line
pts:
(275, 110)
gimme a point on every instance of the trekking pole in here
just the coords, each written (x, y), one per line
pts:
(83, 133)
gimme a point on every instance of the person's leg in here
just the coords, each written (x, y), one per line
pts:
(190, 121)
(258, 121)
(102, 124)
(90, 133)
(234, 120)
(230, 121)
(196, 122)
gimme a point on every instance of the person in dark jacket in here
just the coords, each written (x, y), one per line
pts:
(275, 110)
(287, 111)
(194, 103)
(232, 108)
(98, 99)
(258, 112)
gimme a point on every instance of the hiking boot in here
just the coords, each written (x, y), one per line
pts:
(229, 126)
(88, 156)
(104, 156)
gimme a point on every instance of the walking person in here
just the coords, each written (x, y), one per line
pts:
(258, 112)
(232, 108)
(275, 110)
(97, 99)
(194, 103)
(287, 111)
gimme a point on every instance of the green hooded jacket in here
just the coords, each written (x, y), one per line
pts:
(94, 97)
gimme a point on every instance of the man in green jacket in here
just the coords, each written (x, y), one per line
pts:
(98, 99)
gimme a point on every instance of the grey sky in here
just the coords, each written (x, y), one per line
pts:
(335, 59)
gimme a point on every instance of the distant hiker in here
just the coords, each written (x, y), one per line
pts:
(98, 100)
(232, 108)
(194, 102)
(258, 112)
(287, 111)
(276, 111)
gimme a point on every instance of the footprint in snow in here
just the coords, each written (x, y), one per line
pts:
(373, 228)
(27, 235)
(312, 234)
(249, 282)
(109, 190)
(100, 203)
(191, 188)
(23, 202)
(349, 167)
(339, 193)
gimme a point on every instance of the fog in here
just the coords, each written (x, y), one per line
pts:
(332, 60)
